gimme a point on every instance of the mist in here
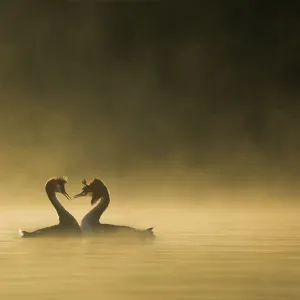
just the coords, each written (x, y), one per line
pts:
(170, 102)
(190, 116)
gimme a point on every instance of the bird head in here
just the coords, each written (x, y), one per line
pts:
(57, 184)
(96, 189)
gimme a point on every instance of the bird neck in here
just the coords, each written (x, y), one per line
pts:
(101, 207)
(92, 218)
(61, 211)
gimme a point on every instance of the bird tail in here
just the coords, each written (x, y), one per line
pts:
(23, 233)
(150, 232)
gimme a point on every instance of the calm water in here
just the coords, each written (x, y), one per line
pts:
(200, 253)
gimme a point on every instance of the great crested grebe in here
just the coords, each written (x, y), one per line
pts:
(67, 223)
(91, 222)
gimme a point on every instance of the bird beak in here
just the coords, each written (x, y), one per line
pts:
(82, 194)
(67, 195)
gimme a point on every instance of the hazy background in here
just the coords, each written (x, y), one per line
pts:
(153, 98)
(189, 113)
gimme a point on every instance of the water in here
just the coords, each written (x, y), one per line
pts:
(200, 253)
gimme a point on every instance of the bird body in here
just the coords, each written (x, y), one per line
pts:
(91, 221)
(67, 226)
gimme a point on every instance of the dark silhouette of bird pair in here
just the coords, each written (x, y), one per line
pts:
(90, 224)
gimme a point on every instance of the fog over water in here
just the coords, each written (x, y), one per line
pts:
(188, 114)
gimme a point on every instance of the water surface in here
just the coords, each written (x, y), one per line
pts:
(200, 253)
